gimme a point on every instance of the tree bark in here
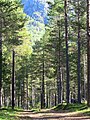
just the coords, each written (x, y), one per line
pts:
(42, 86)
(55, 99)
(19, 95)
(23, 94)
(13, 77)
(67, 57)
(0, 61)
(59, 72)
(27, 88)
(88, 53)
(47, 99)
(78, 65)
(85, 74)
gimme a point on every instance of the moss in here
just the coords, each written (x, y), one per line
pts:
(71, 107)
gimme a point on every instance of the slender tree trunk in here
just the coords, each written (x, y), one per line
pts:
(47, 95)
(0, 62)
(88, 52)
(27, 88)
(33, 96)
(43, 87)
(59, 72)
(18, 101)
(19, 88)
(63, 96)
(78, 65)
(55, 99)
(85, 74)
(23, 94)
(13, 77)
(30, 93)
(47, 99)
(55, 93)
(67, 57)
(74, 93)
(4, 98)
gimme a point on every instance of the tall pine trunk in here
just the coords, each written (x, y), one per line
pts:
(88, 53)
(78, 65)
(42, 86)
(0, 61)
(27, 90)
(85, 74)
(19, 95)
(13, 77)
(67, 57)
(59, 90)
(23, 94)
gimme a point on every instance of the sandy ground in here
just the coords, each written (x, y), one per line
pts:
(51, 115)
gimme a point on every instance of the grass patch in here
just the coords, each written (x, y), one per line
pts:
(71, 107)
(86, 112)
(35, 110)
(79, 109)
(9, 114)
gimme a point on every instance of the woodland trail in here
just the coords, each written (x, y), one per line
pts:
(51, 115)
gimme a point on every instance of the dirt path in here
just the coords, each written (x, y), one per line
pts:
(51, 115)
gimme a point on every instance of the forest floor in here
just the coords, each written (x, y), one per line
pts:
(60, 112)
(52, 115)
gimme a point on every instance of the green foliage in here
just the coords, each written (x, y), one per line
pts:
(7, 115)
(71, 107)
(15, 35)
(35, 44)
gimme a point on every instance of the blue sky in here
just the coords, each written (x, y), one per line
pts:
(37, 9)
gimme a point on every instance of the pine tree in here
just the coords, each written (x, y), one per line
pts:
(88, 53)
(67, 58)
